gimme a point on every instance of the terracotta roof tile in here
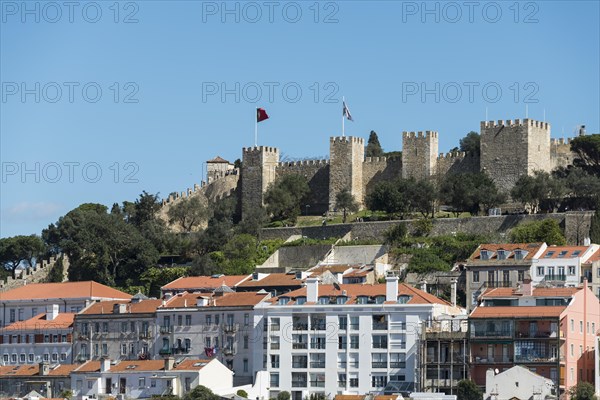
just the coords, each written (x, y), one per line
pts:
(348, 397)
(531, 249)
(138, 365)
(62, 321)
(275, 279)
(89, 366)
(564, 252)
(517, 312)
(63, 290)
(218, 159)
(107, 307)
(595, 257)
(537, 292)
(191, 365)
(371, 290)
(205, 282)
(34, 369)
(240, 299)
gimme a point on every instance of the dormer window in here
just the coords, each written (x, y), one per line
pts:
(299, 275)
(403, 299)
(362, 300)
(379, 299)
(562, 254)
(503, 254)
(520, 254)
(283, 301)
(485, 255)
(549, 254)
(300, 300)
(323, 300)
(341, 300)
(255, 276)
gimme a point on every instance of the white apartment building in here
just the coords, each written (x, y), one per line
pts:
(220, 325)
(43, 338)
(561, 265)
(344, 339)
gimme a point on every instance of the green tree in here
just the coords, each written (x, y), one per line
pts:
(254, 218)
(56, 273)
(396, 234)
(423, 226)
(426, 260)
(583, 391)
(189, 213)
(468, 390)
(242, 393)
(285, 196)
(373, 148)
(240, 253)
(471, 143)
(422, 196)
(345, 201)
(469, 192)
(200, 393)
(387, 197)
(531, 191)
(595, 227)
(154, 278)
(21, 249)
(546, 230)
(587, 150)
(284, 395)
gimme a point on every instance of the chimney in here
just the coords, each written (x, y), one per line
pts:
(453, 285)
(51, 312)
(312, 289)
(391, 288)
(489, 377)
(104, 364)
(527, 287)
(44, 368)
(424, 285)
(169, 363)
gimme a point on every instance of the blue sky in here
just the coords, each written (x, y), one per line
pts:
(179, 84)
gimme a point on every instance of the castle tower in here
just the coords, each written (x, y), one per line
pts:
(510, 149)
(258, 171)
(346, 157)
(419, 154)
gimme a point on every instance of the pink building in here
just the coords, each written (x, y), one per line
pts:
(551, 331)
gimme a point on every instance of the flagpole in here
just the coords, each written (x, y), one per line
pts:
(256, 127)
(343, 116)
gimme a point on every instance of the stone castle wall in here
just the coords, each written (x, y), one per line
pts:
(347, 155)
(457, 163)
(316, 173)
(560, 152)
(259, 165)
(419, 154)
(380, 169)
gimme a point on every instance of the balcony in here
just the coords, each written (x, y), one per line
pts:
(536, 358)
(497, 284)
(230, 351)
(144, 335)
(299, 384)
(165, 352)
(230, 328)
(379, 364)
(491, 360)
(441, 383)
(300, 326)
(454, 357)
(316, 383)
(299, 345)
(317, 364)
(166, 329)
(502, 333)
(555, 278)
(380, 326)
(397, 364)
(299, 364)
(538, 335)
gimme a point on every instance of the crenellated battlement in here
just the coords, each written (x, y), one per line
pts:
(516, 122)
(347, 139)
(260, 149)
(284, 164)
(374, 160)
(419, 134)
(453, 154)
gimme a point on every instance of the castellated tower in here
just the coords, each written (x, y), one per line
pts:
(419, 154)
(346, 157)
(510, 149)
(258, 171)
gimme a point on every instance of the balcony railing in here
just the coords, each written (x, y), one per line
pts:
(300, 326)
(299, 345)
(454, 357)
(492, 334)
(317, 345)
(317, 364)
(379, 364)
(536, 358)
(397, 364)
(380, 326)
(491, 360)
(230, 328)
(318, 326)
(497, 284)
(300, 384)
(299, 364)
(165, 352)
(317, 383)
(555, 277)
(229, 351)
(275, 346)
(166, 329)
(537, 335)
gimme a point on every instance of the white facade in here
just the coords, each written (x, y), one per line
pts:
(341, 348)
(566, 270)
(147, 383)
(517, 382)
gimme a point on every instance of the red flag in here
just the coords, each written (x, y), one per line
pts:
(261, 115)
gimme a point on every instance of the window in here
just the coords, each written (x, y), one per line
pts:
(245, 365)
(283, 301)
(5, 358)
(580, 326)
(123, 349)
(30, 357)
(540, 271)
(323, 300)
(317, 342)
(341, 300)
(572, 325)
(378, 381)
(342, 342)
(132, 348)
(354, 381)
(246, 341)
(12, 315)
(123, 326)
(380, 341)
(520, 276)
(562, 254)
(475, 276)
(33, 312)
(580, 350)
(246, 319)
(299, 379)
(317, 360)
(343, 323)
(46, 356)
(485, 255)
(342, 380)
(274, 360)
(571, 270)
(598, 272)
(64, 338)
(217, 319)
(519, 254)
(274, 381)
(188, 384)
(104, 349)
(274, 342)
(275, 324)
(105, 327)
(397, 360)
(180, 320)
(362, 300)
(502, 254)
(208, 319)
(593, 328)
(354, 323)
(354, 341)
(299, 361)
(403, 299)
(141, 382)
(572, 349)
(299, 300)
(152, 382)
(22, 357)
(63, 356)
(54, 357)
(379, 360)
(188, 320)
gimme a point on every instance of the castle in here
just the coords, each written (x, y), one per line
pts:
(509, 149)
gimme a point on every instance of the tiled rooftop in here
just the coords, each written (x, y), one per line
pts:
(63, 290)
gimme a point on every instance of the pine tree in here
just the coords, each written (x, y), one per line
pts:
(373, 147)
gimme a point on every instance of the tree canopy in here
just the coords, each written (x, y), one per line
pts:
(285, 196)
(468, 390)
(546, 230)
(189, 213)
(373, 148)
(345, 201)
(471, 143)
(470, 192)
(17, 250)
(583, 391)
(587, 149)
